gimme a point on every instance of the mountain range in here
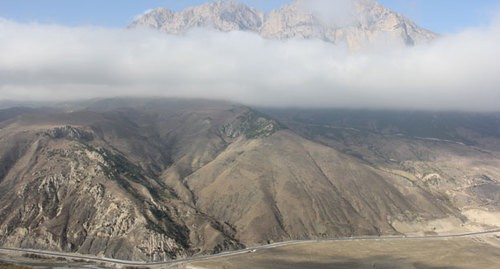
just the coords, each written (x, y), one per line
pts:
(154, 179)
(159, 179)
(356, 23)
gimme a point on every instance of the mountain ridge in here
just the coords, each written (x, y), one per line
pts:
(367, 22)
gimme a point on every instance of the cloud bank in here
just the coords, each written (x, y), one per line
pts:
(50, 62)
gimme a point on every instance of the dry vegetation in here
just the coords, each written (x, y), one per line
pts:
(461, 253)
(11, 266)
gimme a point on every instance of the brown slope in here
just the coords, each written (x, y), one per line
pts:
(454, 156)
(285, 187)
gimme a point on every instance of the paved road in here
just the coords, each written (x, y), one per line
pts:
(232, 253)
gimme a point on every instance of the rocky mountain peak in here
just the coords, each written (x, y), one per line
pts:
(356, 23)
(220, 15)
(154, 18)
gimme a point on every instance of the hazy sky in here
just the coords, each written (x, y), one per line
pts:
(57, 62)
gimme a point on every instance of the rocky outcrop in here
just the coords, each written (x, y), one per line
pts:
(252, 125)
(69, 132)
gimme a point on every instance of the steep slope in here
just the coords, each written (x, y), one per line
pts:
(64, 187)
(357, 23)
(284, 187)
(454, 156)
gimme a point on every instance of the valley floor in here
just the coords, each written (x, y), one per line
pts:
(450, 253)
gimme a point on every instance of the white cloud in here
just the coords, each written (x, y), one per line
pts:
(51, 62)
(339, 13)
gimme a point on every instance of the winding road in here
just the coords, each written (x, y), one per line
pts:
(123, 263)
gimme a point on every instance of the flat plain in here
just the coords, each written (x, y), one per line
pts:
(455, 253)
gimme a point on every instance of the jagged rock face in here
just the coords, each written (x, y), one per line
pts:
(367, 22)
(79, 206)
(357, 23)
(65, 188)
(223, 16)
